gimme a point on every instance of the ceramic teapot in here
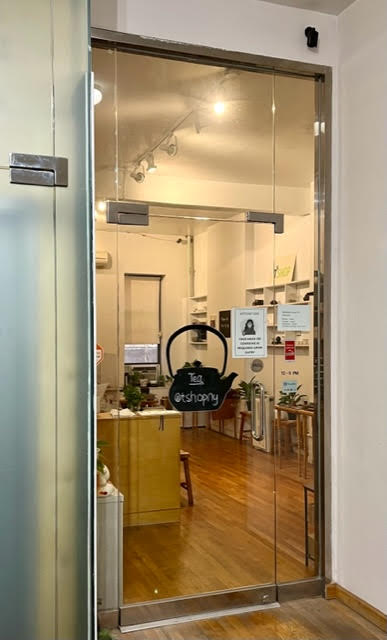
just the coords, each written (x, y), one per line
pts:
(198, 388)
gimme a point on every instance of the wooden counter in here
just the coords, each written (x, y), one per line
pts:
(143, 456)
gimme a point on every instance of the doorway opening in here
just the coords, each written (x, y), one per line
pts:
(206, 177)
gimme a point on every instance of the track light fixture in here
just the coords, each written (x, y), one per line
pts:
(170, 145)
(150, 159)
(138, 173)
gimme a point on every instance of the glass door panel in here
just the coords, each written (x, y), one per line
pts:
(294, 194)
(224, 543)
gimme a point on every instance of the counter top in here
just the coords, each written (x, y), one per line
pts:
(143, 415)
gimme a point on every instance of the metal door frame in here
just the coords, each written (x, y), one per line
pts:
(322, 75)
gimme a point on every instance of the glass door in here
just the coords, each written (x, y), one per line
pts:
(212, 508)
(198, 486)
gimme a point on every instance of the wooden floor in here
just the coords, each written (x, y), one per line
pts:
(311, 619)
(226, 540)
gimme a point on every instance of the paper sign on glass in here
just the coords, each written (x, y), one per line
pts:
(249, 333)
(289, 386)
(293, 317)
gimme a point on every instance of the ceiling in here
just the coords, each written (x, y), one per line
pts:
(147, 96)
(323, 6)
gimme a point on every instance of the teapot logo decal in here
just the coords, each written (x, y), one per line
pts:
(198, 388)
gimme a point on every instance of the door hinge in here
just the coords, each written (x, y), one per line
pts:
(129, 213)
(277, 219)
(43, 171)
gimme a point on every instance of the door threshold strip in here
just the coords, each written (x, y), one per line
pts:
(198, 616)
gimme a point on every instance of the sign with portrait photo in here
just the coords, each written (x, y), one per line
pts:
(249, 333)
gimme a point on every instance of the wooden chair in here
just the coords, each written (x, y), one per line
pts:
(187, 484)
(303, 415)
(285, 426)
(301, 423)
(226, 412)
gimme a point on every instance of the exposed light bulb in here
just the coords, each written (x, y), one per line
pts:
(101, 206)
(219, 108)
(97, 95)
(151, 168)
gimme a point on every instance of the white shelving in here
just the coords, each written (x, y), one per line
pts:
(197, 314)
(289, 293)
(203, 297)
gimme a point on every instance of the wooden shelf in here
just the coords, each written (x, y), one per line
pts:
(198, 313)
(198, 343)
(203, 297)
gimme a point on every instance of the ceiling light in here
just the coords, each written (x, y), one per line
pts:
(138, 173)
(151, 168)
(170, 145)
(97, 95)
(101, 206)
(219, 108)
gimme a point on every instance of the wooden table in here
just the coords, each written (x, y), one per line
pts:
(143, 456)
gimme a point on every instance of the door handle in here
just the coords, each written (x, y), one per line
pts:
(258, 435)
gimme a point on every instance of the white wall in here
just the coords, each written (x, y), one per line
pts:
(361, 478)
(135, 254)
(254, 26)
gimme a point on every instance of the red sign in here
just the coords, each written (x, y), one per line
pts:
(99, 353)
(290, 350)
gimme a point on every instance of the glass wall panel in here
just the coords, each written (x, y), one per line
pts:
(45, 329)
(75, 340)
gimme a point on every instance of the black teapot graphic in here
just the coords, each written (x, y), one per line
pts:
(199, 388)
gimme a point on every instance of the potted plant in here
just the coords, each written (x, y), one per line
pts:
(246, 391)
(291, 399)
(133, 397)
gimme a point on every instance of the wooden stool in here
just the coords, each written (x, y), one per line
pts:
(187, 484)
(242, 430)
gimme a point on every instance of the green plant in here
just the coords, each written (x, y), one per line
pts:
(134, 378)
(189, 365)
(100, 457)
(104, 635)
(246, 390)
(133, 397)
(292, 399)
(163, 380)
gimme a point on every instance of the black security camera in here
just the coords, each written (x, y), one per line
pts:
(311, 37)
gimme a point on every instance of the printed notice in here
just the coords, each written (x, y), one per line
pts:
(249, 333)
(293, 317)
(289, 386)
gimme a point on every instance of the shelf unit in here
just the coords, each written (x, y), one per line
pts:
(289, 293)
(197, 314)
